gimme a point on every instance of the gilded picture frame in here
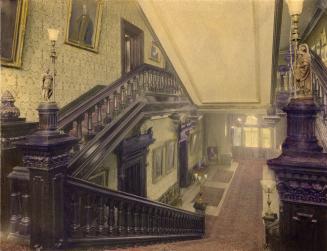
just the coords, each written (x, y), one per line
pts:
(14, 15)
(83, 24)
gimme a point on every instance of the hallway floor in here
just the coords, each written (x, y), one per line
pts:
(238, 227)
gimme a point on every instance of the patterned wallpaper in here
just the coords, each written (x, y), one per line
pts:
(78, 70)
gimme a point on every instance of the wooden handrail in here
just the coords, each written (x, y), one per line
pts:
(71, 114)
(84, 185)
(319, 68)
(102, 216)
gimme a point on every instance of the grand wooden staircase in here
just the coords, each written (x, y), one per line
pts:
(52, 205)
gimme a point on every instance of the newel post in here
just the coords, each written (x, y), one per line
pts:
(46, 155)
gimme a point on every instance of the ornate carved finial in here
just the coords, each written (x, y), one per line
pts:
(302, 71)
(8, 110)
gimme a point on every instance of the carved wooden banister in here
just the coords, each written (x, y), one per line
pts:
(319, 82)
(97, 215)
(87, 116)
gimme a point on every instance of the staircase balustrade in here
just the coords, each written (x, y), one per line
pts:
(87, 118)
(96, 214)
(319, 83)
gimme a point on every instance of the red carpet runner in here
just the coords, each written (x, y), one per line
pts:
(239, 225)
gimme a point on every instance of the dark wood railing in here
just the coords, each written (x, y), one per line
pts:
(97, 215)
(319, 83)
(51, 208)
(87, 117)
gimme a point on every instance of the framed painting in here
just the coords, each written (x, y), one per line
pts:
(83, 23)
(13, 15)
(170, 155)
(157, 166)
(155, 53)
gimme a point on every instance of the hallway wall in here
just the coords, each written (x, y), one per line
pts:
(217, 132)
(78, 69)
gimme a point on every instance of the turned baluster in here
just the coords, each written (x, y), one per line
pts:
(174, 223)
(111, 217)
(154, 221)
(129, 92)
(24, 226)
(98, 110)
(100, 216)
(157, 82)
(90, 132)
(152, 81)
(184, 222)
(149, 225)
(88, 215)
(144, 220)
(164, 84)
(75, 205)
(145, 77)
(159, 221)
(107, 119)
(15, 207)
(164, 222)
(123, 97)
(169, 227)
(135, 88)
(129, 219)
(178, 225)
(187, 221)
(136, 220)
(121, 218)
(171, 222)
(175, 85)
(116, 103)
(145, 82)
(140, 81)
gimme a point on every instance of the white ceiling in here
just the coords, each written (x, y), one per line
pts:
(221, 49)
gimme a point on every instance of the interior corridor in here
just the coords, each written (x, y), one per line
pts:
(238, 227)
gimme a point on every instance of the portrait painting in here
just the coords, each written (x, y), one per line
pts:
(13, 20)
(157, 163)
(155, 53)
(170, 155)
(83, 23)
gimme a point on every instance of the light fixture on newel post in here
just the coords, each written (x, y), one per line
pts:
(300, 64)
(48, 109)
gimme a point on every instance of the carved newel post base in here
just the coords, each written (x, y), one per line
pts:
(46, 155)
(301, 176)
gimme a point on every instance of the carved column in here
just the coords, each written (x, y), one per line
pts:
(301, 176)
(46, 155)
(13, 128)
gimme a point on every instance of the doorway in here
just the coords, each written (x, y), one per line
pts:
(132, 155)
(132, 46)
